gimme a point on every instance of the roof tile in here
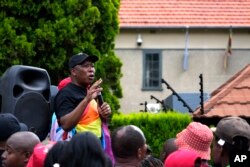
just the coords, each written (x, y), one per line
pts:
(230, 99)
(143, 13)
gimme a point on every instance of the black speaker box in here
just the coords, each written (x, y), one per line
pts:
(25, 92)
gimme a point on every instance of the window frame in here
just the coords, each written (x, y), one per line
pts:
(152, 88)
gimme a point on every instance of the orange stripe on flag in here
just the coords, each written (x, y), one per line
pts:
(90, 114)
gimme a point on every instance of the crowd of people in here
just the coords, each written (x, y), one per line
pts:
(79, 135)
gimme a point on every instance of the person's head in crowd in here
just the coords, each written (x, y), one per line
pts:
(9, 124)
(39, 153)
(128, 145)
(183, 158)
(151, 161)
(232, 136)
(168, 147)
(18, 149)
(84, 149)
(196, 137)
(54, 153)
(82, 69)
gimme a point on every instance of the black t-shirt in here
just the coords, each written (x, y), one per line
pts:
(68, 98)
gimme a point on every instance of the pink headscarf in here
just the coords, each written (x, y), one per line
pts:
(182, 158)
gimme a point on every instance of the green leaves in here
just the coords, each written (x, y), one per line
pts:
(46, 33)
(156, 127)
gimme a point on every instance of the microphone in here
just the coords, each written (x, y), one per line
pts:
(100, 99)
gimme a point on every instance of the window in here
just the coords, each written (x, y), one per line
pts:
(152, 70)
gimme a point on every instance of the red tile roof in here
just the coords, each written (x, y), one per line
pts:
(179, 13)
(230, 99)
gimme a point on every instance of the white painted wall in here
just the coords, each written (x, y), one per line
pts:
(206, 50)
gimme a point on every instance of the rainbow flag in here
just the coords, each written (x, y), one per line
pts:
(90, 120)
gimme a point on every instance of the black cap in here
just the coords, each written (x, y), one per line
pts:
(80, 58)
(9, 124)
(230, 127)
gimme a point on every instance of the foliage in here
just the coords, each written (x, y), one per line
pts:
(46, 33)
(156, 127)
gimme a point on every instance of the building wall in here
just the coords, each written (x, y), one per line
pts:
(206, 55)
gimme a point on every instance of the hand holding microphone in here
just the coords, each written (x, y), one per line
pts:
(100, 99)
(105, 110)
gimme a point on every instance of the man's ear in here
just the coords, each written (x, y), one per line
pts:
(73, 71)
(139, 154)
(26, 156)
